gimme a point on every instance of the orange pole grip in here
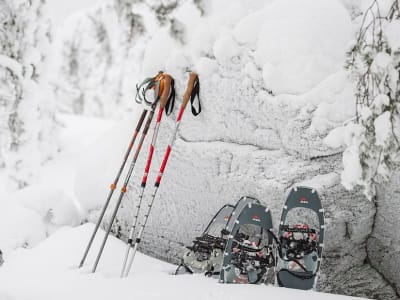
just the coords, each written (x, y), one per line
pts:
(189, 88)
(165, 86)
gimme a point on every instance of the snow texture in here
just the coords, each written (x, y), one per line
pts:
(54, 262)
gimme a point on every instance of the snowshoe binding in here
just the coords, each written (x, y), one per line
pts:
(205, 255)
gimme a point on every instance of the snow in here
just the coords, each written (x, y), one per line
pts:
(335, 138)
(19, 227)
(225, 48)
(92, 179)
(381, 61)
(248, 29)
(157, 52)
(392, 33)
(49, 271)
(31, 214)
(383, 129)
(352, 173)
(378, 105)
(41, 199)
(294, 53)
(205, 67)
(14, 66)
(59, 11)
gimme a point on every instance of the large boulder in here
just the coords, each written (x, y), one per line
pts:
(384, 242)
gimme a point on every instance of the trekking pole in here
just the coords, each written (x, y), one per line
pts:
(165, 83)
(191, 92)
(143, 186)
(113, 186)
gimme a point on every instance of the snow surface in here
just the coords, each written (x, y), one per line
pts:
(31, 214)
(49, 271)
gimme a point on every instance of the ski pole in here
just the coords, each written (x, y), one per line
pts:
(193, 81)
(113, 186)
(164, 88)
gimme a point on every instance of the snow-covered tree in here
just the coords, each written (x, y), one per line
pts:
(96, 60)
(101, 51)
(25, 121)
(373, 140)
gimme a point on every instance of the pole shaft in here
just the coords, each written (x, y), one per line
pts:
(139, 236)
(113, 186)
(123, 190)
(156, 185)
(143, 185)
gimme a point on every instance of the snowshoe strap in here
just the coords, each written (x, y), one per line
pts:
(301, 275)
(143, 87)
(247, 248)
(209, 242)
(154, 83)
(195, 94)
(295, 229)
(169, 106)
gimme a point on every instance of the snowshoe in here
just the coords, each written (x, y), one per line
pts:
(205, 255)
(300, 246)
(248, 251)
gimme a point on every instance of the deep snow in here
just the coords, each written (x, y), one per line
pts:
(49, 271)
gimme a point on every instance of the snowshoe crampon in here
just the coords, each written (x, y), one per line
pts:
(300, 244)
(205, 255)
(248, 252)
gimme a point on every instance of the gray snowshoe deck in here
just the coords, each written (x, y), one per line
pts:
(253, 250)
(305, 273)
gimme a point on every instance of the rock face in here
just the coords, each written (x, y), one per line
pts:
(384, 242)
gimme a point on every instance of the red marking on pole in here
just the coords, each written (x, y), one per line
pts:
(148, 163)
(160, 114)
(163, 164)
(181, 110)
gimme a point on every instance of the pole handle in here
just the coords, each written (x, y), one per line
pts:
(189, 88)
(165, 89)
